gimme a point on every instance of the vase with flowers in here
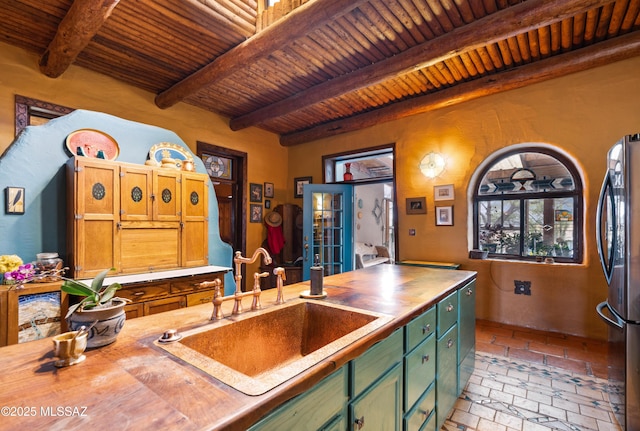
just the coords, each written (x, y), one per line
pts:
(14, 271)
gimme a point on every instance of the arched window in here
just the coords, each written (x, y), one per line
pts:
(528, 206)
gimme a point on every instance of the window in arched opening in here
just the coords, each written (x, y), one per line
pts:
(528, 206)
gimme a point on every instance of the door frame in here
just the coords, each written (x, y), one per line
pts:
(240, 158)
(328, 177)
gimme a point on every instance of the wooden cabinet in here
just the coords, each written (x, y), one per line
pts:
(33, 312)
(169, 294)
(194, 209)
(93, 218)
(135, 218)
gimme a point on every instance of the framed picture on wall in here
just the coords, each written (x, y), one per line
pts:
(444, 216)
(268, 190)
(256, 213)
(298, 185)
(416, 205)
(255, 192)
(443, 193)
(14, 200)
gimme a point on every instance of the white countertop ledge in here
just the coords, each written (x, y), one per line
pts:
(161, 275)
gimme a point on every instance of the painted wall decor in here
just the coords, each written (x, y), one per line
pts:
(298, 185)
(443, 193)
(444, 216)
(14, 200)
(218, 167)
(255, 192)
(256, 213)
(92, 143)
(416, 205)
(268, 190)
(377, 211)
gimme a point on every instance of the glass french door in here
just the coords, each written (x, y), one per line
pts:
(327, 228)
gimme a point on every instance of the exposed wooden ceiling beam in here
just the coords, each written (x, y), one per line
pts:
(77, 28)
(298, 23)
(596, 55)
(498, 26)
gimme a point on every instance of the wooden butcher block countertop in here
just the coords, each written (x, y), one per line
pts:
(134, 385)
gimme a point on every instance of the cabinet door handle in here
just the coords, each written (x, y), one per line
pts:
(469, 292)
(425, 414)
(426, 328)
(425, 358)
(359, 423)
(450, 308)
(138, 293)
(449, 343)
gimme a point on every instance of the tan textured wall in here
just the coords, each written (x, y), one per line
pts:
(80, 88)
(582, 114)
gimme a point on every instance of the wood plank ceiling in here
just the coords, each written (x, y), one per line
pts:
(329, 66)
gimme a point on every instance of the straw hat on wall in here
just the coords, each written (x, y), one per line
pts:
(273, 219)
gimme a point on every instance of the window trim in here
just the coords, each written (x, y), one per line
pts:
(577, 193)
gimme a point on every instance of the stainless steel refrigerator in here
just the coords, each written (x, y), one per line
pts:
(618, 238)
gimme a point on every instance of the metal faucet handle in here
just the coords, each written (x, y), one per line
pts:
(281, 275)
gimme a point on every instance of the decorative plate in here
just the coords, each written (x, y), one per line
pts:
(165, 150)
(92, 143)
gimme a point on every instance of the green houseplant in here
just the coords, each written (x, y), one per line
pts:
(99, 309)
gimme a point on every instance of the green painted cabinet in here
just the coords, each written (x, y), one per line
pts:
(409, 381)
(380, 406)
(376, 386)
(467, 333)
(420, 371)
(320, 408)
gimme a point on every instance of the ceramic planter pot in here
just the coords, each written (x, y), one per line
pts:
(110, 321)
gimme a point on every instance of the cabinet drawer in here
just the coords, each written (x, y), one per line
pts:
(422, 412)
(322, 407)
(166, 304)
(198, 298)
(134, 310)
(368, 367)
(420, 328)
(192, 284)
(419, 371)
(144, 292)
(447, 313)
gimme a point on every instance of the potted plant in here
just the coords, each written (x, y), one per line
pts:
(98, 309)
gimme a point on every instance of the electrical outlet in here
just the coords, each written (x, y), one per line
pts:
(522, 287)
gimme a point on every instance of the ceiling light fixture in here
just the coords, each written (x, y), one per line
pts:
(432, 165)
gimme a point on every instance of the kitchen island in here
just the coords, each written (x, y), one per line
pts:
(133, 384)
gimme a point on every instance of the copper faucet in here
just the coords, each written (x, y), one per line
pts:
(237, 296)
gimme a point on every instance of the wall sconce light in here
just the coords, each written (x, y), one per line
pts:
(432, 165)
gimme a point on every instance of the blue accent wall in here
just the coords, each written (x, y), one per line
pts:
(36, 161)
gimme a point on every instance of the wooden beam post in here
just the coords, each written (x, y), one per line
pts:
(599, 54)
(298, 23)
(77, 28)
(509, 22)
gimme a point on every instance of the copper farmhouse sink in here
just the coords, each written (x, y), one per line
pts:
(256, 351)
